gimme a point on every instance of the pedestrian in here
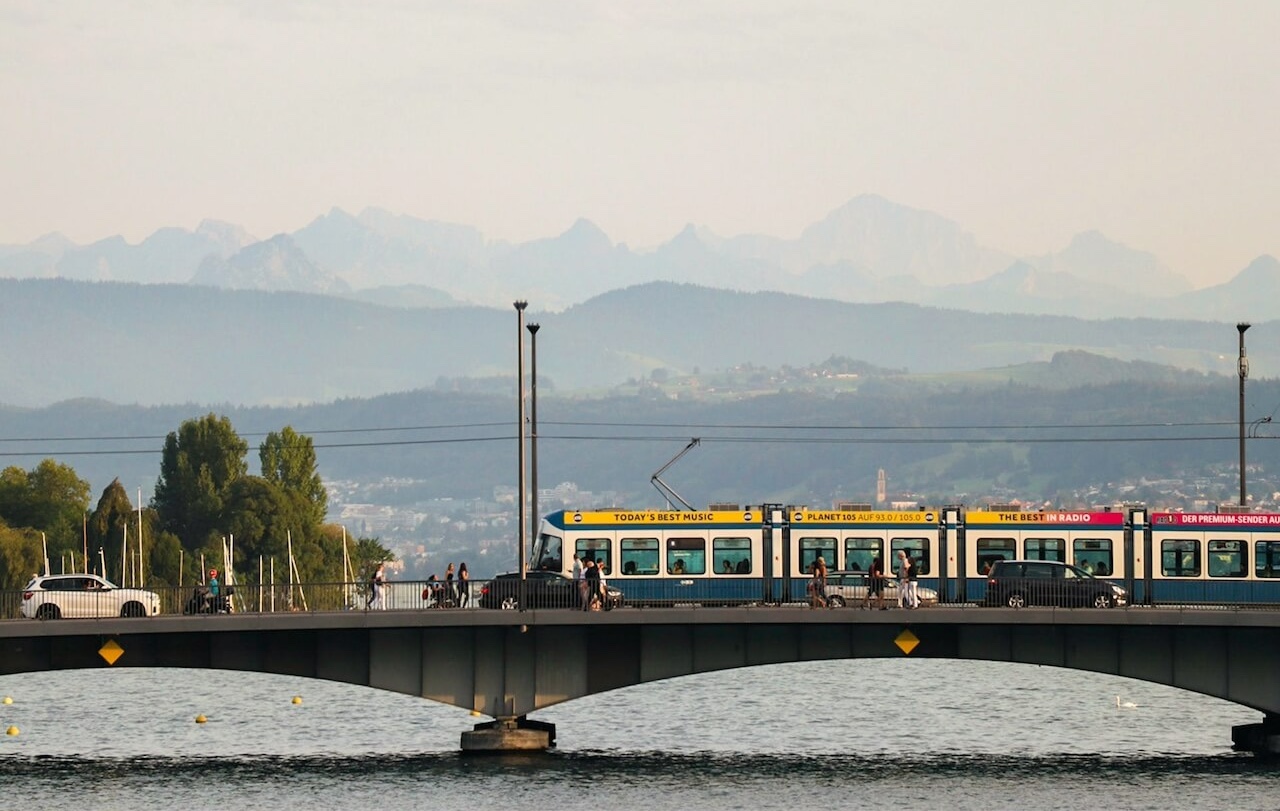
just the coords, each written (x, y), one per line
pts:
(904, 574)
(215, 592)
(590, 583)
(913, 585)
(875, 584)
(464, 585)
(376, 583)
(602, 586)
(819, 583)
(451, 594)
(577, 568)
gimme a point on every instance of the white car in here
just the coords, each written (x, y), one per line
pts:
(48, 597)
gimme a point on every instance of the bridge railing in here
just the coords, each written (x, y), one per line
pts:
(625, 592)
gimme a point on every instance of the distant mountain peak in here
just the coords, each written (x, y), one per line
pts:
(1264, 268)
(273, 264)
(584, 230)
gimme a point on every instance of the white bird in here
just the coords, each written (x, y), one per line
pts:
(1125, 705)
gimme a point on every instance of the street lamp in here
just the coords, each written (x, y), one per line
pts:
(520, 305)
(533, 431)
(1243, 368)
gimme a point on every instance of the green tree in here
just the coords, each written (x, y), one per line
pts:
(110, 521)
(50, 498)
(367, 554)
(201, 461)
(289, 461)
(20, 557)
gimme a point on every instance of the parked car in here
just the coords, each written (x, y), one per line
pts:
(1020, 583)
(48, 597)
(542, 590)
(850, 588)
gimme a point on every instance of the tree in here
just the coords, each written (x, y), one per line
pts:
(50, 498)
(108, 521)
(367, 555)
(289, 461)
(199, 464)
(20, 557)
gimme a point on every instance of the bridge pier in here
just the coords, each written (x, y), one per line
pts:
(505, 735)
(1261, 739)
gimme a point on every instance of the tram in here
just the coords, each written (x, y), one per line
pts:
(734, 555)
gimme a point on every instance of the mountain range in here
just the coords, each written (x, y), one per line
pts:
(866, 251)
(160, 344)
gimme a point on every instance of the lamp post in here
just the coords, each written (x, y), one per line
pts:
(520, 305)
(1243, 368)
(533, 431)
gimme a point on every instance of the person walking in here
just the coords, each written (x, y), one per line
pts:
(875, 584)
(376, 583)
(904, 573)
(913, 585)
(464, 585)
(819, 583)
(450, 593)
(602, 586)
(590, 582)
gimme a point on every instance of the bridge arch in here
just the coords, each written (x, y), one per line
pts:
(507, 665)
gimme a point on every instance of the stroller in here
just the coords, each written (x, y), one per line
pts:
(203, 602)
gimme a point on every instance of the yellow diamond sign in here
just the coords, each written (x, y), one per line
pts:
(111, 651)
(906, 642)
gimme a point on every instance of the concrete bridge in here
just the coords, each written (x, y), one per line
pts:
(508, 664)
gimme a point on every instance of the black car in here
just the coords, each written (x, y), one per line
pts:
(542, 590)
(1020, 583)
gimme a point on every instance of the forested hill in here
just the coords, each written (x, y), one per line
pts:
(156, 344)
(969, 441)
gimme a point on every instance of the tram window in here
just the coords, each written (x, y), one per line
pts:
(1266, 559)
(917, 548)
(731, 555)
(859, 552)
(548, 555)
(1095, 556)
(596, 549)
(991, 550)
(1054, 549)
(686, 556)
(811, 548)
(1228, 559)
(1180, 558)
(640, 556)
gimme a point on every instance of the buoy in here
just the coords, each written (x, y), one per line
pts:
(297, 699)
(8, 699)
(11, 731)
(200, 719)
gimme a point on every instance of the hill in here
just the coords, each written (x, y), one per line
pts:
(158, 344)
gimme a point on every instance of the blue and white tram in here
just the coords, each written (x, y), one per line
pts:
(726, 557)
(850, 540)
(661, 557)
(763, 554)
(1207, 557)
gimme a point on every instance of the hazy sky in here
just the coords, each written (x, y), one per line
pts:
(1157, 123)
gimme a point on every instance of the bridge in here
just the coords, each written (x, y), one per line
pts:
(508, 664)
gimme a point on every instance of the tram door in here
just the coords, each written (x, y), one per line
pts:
(775, 552)
(951, 557)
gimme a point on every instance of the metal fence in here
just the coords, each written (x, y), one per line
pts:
(557, 592)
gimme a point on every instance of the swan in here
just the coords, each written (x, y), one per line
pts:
(1125, 705)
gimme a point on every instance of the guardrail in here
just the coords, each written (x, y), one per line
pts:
(417, 595)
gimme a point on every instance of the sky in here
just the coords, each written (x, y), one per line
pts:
(1026, 122)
